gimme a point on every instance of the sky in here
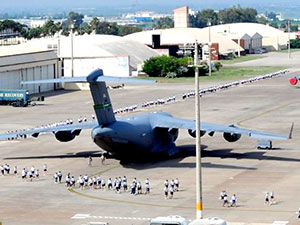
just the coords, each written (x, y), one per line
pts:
(121, 6)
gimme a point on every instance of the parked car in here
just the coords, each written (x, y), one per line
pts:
(264, 144)
(260, 50)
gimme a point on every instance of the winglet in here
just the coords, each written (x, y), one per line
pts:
(291, 131)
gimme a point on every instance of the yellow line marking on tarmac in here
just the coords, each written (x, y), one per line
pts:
(103, 171)
(239, 123)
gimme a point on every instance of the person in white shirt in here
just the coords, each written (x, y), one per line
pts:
(233, 200)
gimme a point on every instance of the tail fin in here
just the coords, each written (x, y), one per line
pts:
(102, 104)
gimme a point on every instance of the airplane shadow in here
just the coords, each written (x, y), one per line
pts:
(175, 161)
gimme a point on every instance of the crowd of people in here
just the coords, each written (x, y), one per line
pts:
(126, 109)
(232, 84)
(169, 191)
(226, 202)
(119, 184)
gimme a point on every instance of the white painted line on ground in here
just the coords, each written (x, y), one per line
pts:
(88, 216)
(280, 222)
(80, 216)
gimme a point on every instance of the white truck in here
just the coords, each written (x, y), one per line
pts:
(179, 220)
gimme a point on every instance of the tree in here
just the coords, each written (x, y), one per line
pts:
(163, 23)
(35, 32)
(50, 28)
(203, 18)
(237, 15)
(272, 16)
(262, 20)
(84, 28)
(125, 30)
(107, 28)
(73, 18)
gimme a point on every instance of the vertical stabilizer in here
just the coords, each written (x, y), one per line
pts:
(102, 105)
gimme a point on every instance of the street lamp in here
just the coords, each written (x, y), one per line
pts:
(72, 60)
(289, 40)
(209, 45)
(199, 206)
(184, 50)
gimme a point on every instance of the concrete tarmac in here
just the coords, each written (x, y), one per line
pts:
(239, 168)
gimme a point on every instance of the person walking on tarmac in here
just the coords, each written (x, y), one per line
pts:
(90, 161)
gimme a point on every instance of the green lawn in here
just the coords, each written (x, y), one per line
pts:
(241, 59)
(225, 74)
(286, 50)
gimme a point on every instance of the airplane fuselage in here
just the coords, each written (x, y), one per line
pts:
(136, 136)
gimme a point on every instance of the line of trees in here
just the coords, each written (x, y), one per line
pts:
(79, 26)
(236, 14)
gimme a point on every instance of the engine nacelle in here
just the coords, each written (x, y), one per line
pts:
(65, 136)
(293, 81)
(231, 137)
(193, 133)
(174, 132)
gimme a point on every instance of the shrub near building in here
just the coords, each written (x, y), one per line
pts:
(171, 67)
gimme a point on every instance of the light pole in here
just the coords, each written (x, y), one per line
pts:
(72, 61)
(289, 41)
(199, 206)
(209, 45)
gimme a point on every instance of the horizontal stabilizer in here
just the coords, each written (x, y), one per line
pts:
(98, 74)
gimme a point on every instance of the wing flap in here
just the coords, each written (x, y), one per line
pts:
(172, 122)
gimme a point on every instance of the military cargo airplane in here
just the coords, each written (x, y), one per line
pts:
(294, 80)
(138, 135)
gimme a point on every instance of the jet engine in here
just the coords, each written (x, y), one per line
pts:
(293, 81)
(193, 133)
(67, 135)
(174, 133)
(231, 137)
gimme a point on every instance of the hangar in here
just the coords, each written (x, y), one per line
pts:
(48, 58)
(172, 38)
(115, 55)
(20, 63)
(271, 38)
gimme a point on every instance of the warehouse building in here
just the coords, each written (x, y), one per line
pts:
(20, 63)
(167, 41)
(271, 38)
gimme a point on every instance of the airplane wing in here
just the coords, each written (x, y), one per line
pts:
(73, 128)
(172, 122)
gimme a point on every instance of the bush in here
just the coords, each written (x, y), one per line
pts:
(218, 65)
(295, 43)
(160, 66)
(171, 67)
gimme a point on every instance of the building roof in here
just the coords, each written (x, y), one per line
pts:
(105, 46)
(84, 46)
(18, 60)
(179, 36)
(265, 31)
